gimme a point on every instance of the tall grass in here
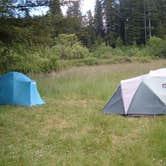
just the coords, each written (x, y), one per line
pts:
(70, 128)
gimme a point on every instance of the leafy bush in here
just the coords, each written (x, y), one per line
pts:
(157, 47)
(68, 47)
(118, 52)
(6, 58)
(103, 51)
(91, 61)
(119, 42)
(69, 52)
(143, 59)
(20, 59)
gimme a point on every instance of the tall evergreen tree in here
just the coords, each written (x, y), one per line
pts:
(56, 17)
(73, 20)
(111, 12)
(132, 21)
(98, 18)
(90, 29)
(74, 9)
(158, 17)
(55, 8)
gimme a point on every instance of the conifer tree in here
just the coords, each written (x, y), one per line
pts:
(74, 9)
(111, 13)
(55, 8)
(98, 19)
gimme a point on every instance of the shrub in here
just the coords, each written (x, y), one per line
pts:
(156, 47)
(78, 51)
(118, 52)
(24, 60)
(91, 61)
(6, 58)
(143, 59)
(66, 39)
(133, 51)
(68, 47)
(103, 51)
(119, 42)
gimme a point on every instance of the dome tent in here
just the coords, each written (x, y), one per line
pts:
(18, 89)
(142, 95)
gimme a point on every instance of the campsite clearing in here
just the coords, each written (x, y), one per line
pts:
(70, 128)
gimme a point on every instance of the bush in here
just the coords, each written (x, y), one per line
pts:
(68, 51)
(78, 51)
(119, 42)
(23, 60)
(156, 47)
(118, 52)
(133, 51)
(6, 58)
(143, 59)
(103, 51)
(91, 61)
(68, 47)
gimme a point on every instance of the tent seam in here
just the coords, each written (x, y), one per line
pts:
(137, 92)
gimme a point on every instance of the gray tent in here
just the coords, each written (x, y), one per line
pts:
(143, 95)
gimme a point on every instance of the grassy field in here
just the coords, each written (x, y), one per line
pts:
(71, 130)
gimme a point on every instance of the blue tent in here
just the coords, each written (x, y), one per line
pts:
(18, 89)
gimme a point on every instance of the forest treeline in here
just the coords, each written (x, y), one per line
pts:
(117, 27)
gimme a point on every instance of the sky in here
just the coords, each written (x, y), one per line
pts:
(85, 6)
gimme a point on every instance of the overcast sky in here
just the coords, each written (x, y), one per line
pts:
(85, 6)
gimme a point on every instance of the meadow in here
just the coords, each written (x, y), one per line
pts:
(71, 130)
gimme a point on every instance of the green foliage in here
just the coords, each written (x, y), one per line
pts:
(98, 19)
(91, 61)
(102, 51)
(68, 51)
(74, 9)
(118, 42)
(68, 47)
(121, 59)
(18, 58)
(66, 39)
(157, 47)
(142, 59)
(55, 8)
(154, 48)
(6, 58)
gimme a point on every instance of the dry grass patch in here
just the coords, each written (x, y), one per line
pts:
(55, 123)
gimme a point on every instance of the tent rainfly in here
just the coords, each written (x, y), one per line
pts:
(18, 89)
(142, 95)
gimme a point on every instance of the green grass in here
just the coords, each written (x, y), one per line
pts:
(70, 128)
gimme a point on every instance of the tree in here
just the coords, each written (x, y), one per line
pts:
(132, 21)
(87, 34)
(55, 8)
(18, 8)
(158, 18)
(111, 12)
(24, 28)
(98, 19)
(74, 9)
